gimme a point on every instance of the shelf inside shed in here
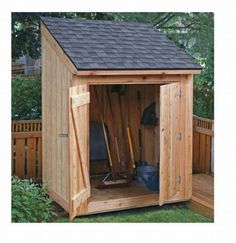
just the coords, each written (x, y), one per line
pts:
(134, 196)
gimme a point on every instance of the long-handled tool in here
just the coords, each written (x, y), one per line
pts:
(121, 90)
(112, 179)
(131, 151)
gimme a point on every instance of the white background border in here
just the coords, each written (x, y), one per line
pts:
(224, 228)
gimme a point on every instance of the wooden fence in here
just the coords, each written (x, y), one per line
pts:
(27, 149)
(17, 68)
(203, 145)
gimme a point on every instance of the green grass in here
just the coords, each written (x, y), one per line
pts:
(165, 214)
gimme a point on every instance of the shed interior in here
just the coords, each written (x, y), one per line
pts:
(121, 110)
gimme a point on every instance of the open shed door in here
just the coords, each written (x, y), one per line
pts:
(171, 163)
(79, 99)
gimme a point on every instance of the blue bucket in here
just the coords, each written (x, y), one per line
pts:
(148, 175)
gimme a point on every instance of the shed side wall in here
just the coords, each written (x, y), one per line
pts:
(55, 83)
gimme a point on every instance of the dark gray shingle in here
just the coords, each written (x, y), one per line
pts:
(100, 45)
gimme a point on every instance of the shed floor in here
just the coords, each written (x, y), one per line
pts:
(203, 195)
(135, 195)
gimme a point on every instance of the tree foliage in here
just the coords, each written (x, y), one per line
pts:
(26, 98)
(194, 32)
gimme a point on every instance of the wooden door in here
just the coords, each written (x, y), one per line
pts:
(171, 164)
(79, 99)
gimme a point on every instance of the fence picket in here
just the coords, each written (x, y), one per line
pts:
(20, 158)
(31, 158)
(27, 149)
(39, 168)
(203, 134)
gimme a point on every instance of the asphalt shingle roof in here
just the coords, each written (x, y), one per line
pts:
(109, 45)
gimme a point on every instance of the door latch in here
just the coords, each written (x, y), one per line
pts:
(179, 136)
(178, 180)
(179, 93)
(63, 135)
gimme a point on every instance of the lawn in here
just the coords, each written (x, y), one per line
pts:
(165, 214)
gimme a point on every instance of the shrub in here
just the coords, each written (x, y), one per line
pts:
(30, 202)
(26, 98)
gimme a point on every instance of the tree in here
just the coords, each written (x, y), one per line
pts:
(26, 98)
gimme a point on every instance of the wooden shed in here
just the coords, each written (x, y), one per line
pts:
(81, 55)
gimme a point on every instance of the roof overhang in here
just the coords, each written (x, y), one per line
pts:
(135, 72)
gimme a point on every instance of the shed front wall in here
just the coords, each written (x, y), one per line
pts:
(184, 117)
(56, 80)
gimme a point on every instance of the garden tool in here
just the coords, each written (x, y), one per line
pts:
(112, 179)
(149, 115)
(121, 90)
(131, 151)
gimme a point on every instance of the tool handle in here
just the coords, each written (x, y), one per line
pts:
(117, 150)
(140, 144)
(104, 130)
(130, 147)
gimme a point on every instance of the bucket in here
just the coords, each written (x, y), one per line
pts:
(148, 175)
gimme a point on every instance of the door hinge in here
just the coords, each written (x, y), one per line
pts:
(179, 93)
(178, 180)
(179, 136)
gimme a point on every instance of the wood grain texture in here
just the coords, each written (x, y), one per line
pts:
(136, 195)
(20, 158)
(134, 72)
(164, 141)
(203, 190)
(203, 135)
(31, 158)
(129, 79)
(172, 144)
(131, 117)
(56, 79)
(188, 137)
(39, 167)
(202, 200)
(79, 151)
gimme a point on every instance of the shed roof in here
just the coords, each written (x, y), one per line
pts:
(109, 45)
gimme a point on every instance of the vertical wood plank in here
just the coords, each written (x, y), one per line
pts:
(186, 130)
(134, 117)
(20, 158)
(53, 119)
(148, 130)
(164, 141)
(208, 155)
(39, 169)
(58, 115)
(176, 166)
(196, 148)
(64, 127)
(202, 156)
(189, 137)
(31, 158)
(48, 163)
(44, 109)
(157, 129)
(13, 160)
